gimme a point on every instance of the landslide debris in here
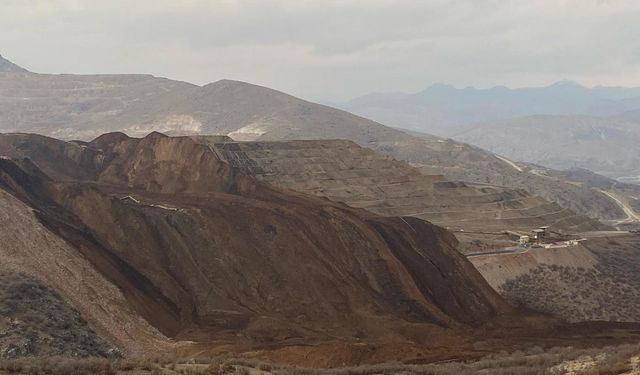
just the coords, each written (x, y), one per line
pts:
(204, 252)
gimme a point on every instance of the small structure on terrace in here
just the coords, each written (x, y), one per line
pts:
(539, 234)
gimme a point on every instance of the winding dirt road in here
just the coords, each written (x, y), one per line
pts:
(631, 214)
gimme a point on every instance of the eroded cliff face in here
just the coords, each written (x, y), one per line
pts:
(205, 253)
(158, 163)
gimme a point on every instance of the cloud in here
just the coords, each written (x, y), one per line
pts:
(332, 49)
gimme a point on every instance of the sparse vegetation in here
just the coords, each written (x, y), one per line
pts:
(560, 360)
(35, 320)
(609, 291)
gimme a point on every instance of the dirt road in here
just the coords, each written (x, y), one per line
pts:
(631, 214)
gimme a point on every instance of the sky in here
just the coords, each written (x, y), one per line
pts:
(330, 50)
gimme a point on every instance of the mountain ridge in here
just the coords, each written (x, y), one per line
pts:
(7, 66)
(444, 109)
(83, 107)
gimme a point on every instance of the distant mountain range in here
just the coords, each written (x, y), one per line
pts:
(7, 66)
(443, 109)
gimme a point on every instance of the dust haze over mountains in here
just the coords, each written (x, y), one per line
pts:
(7, 66)
(332, 51)
(203, 224)
(85, 106)
(446, 110)
(561, 126)
(340, 50)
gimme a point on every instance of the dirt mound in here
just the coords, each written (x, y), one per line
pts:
(206, 253)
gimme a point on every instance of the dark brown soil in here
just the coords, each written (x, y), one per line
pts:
(205, 253)
(218, 261)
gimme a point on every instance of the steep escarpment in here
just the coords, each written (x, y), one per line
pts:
(444, 283)
(158, 163)
(203, 252)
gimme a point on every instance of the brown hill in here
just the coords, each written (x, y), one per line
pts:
(205, 253)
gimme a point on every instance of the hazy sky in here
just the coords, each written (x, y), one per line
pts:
(331, 50)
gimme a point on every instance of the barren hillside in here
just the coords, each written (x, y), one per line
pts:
(204, 253)
(163, 247)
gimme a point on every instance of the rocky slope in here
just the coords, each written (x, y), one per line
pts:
(82, 107)
(161, 228)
